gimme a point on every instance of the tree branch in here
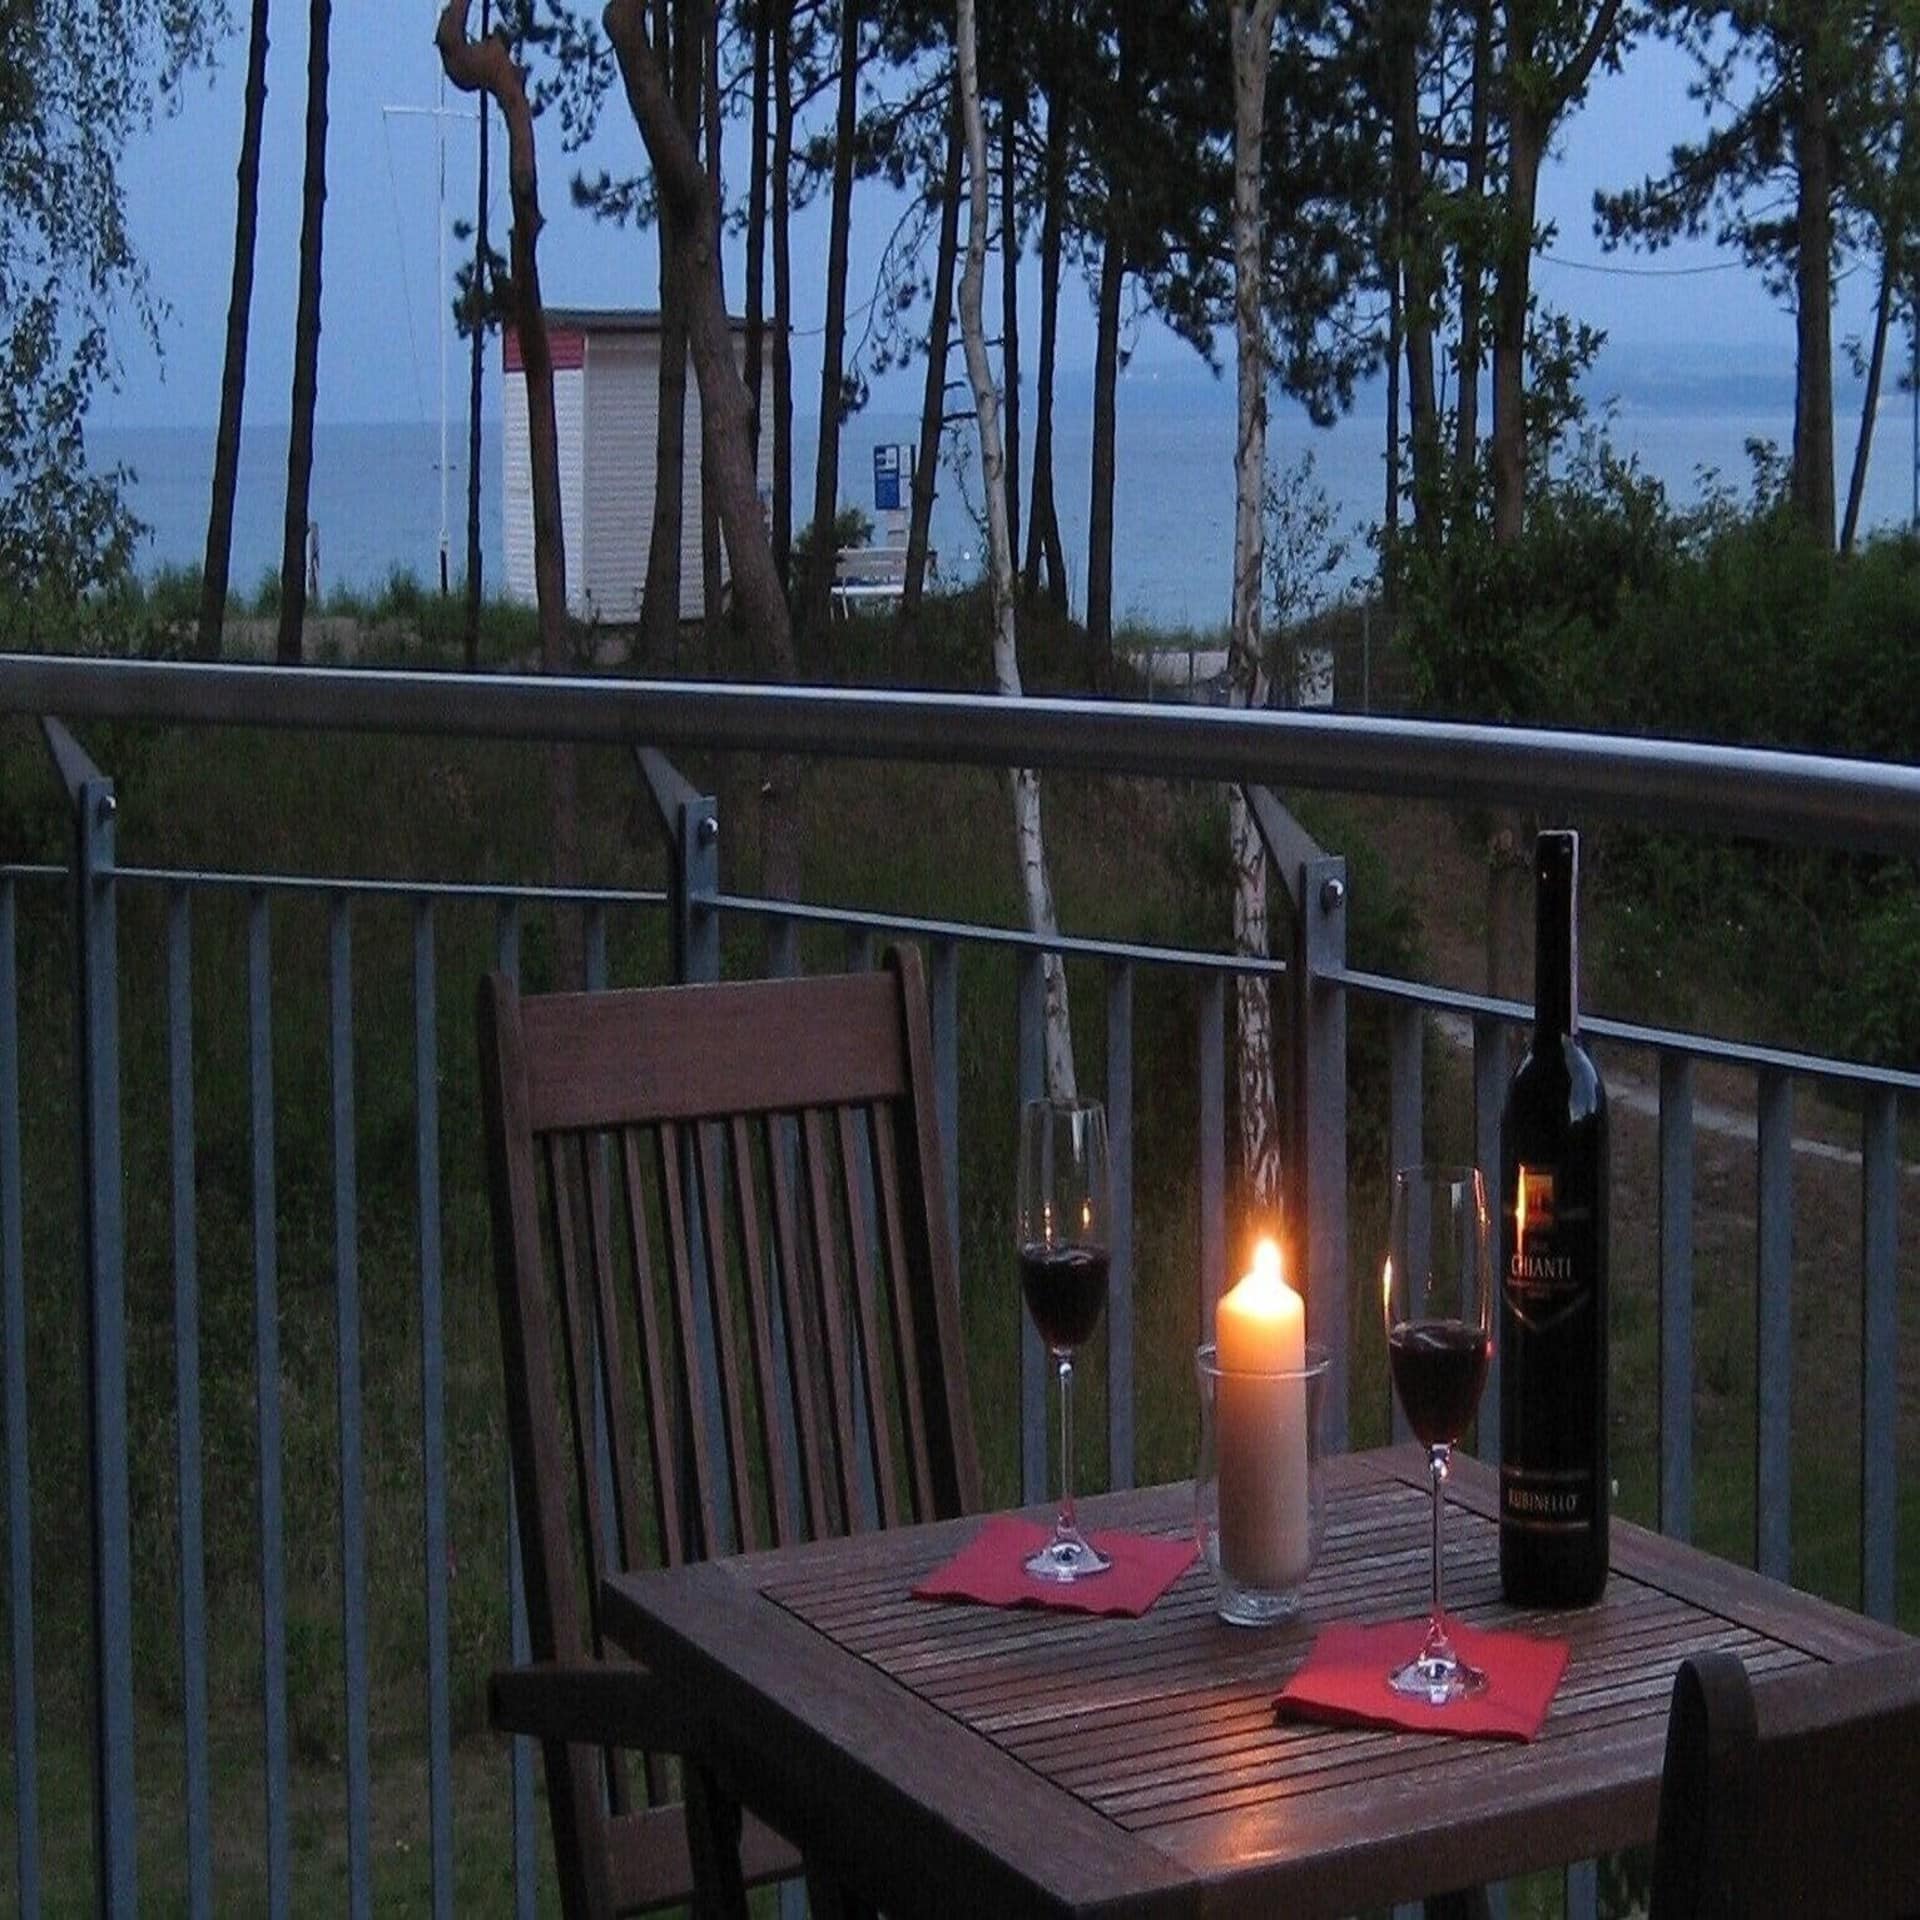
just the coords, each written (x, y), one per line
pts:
(1576, 73)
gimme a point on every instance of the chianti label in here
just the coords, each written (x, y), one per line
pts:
(1549, 1284)
(1549, 1277)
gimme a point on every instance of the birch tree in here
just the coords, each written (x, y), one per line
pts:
(1029, 838)
(1250, 31)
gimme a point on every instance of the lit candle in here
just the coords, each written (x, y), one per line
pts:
(1260, 1330)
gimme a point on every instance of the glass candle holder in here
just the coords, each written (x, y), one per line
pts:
(1259, 1499)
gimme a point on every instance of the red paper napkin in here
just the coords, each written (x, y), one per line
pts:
(1344, 1681)
(991, 1570)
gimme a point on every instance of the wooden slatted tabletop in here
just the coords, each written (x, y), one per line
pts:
(968, 1760)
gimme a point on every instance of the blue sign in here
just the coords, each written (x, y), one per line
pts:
(892, 476)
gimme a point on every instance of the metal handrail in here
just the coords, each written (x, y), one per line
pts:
(1814, 799)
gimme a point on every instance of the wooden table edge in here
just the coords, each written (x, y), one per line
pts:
(1820, 1628)
(736, 1666)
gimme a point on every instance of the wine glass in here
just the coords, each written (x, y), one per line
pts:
(1437, 1295)
(1062, 1230)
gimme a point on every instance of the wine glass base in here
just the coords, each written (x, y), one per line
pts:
(1067, 1556)
(1438, 1679)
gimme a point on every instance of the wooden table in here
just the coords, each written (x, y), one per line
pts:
(969, 1760)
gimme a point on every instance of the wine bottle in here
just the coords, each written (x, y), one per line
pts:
(1553, 1276)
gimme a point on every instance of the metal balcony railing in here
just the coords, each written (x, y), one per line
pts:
(1772, 796)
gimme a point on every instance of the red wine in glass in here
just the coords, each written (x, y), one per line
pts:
(1061, 1199)
(1436, 1302)
(1439, 1367)
(1065, 1289)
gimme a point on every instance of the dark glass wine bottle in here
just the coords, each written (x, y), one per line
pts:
(1553, 1276)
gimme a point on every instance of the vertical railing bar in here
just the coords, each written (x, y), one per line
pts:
(1030, 1032)
(506, 939)
(506, 957)
(1320, 955)
(1581, 1890)
(433, 1444)
(1773, 1354)
(1406, 1129)
(783, 950)
(266, 1309)
(596, 954)
(1489, 1095)
(1210, 1082)
(696, 957)
(13, 1349)
(1879, 1351)
(186, 1373)
(1676, 1295)
(946, 1079)
(353, 1521)
(1120, 1411)
(97, 1052)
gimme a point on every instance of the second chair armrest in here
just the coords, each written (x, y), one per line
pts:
(590, 1703)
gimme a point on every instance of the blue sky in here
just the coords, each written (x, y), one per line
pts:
(381, 306)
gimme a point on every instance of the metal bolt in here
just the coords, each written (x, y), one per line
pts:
(709, 830)
(109, 806)
(1333, 892)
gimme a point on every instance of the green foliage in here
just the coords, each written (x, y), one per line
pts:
(76, 83)
(1512, 632)
(1728, 623)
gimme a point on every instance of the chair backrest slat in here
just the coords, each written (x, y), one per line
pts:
(804, 1334)
(872, 1353)
(839, 1377)
(906, 1339)
(710, 1152)
(767, 1361)
(673, 1163)
(577, 1348)
(729, 1311)
(656, 1395)
(626, 1546)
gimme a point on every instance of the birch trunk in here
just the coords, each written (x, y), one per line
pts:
(1029, 839)
(933, 400)
(1251, 33)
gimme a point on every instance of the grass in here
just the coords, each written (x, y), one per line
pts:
(1135, 860)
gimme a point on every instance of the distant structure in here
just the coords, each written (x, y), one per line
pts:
(606, 394)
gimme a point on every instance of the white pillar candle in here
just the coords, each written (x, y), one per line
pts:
(1260, 1332)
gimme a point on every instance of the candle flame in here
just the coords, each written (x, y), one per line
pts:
(1520, 1210)
(1386, 1285)
(1086, 1216)
(1266, 1264)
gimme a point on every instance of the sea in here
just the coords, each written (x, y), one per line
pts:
(1686, 415)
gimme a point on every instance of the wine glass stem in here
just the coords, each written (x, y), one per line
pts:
(1066, 1525)
(1437, 1462)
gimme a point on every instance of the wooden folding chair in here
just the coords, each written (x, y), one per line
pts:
(730, 1319)
(1796, 1797)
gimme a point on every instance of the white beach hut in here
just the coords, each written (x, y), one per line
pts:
(606, 395)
